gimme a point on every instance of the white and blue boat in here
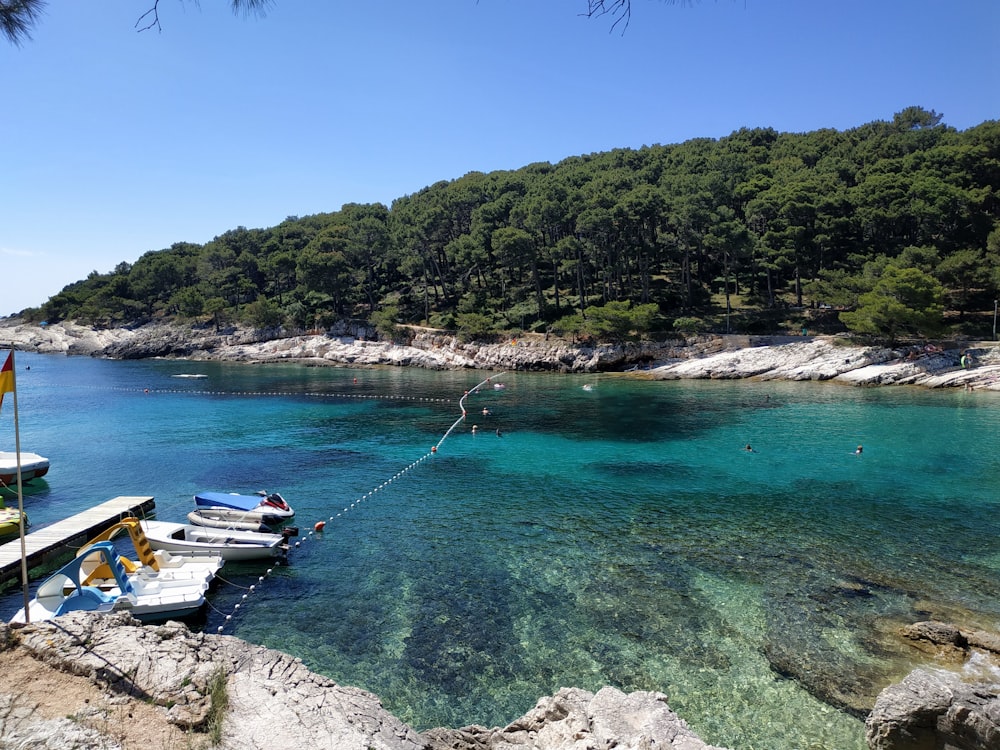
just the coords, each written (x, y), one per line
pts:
(150, 599)
(271, 506)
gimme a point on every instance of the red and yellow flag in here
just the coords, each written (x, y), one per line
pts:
(7, 376)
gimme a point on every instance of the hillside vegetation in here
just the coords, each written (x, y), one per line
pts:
(890, 229)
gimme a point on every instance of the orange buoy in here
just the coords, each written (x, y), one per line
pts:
(320, 525)
(434, 449)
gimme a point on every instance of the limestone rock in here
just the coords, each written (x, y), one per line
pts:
(272, 700)
(706, 356)
(575, 719)
(935, 711)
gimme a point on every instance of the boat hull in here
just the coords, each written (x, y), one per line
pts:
(33, 466)
(228, 518)
(230, 545)
(10, 522)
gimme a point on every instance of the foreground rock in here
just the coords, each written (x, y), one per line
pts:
(578, 720)
(935, 710)
(105, 681)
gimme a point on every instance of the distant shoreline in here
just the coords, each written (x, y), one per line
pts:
(701, 357)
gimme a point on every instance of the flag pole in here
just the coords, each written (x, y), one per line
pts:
(20, 492)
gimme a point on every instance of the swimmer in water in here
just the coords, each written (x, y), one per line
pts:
(859, 450)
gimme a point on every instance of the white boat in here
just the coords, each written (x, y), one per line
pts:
(33, 466)
(149, 563)
(230, 545)
(271, 505)
(148, 599)
(229, 518)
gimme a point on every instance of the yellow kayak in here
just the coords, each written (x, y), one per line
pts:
(9, 518)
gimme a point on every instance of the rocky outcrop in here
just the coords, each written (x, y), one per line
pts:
(268, 699)
(950, 641)
(935, 710)
(704, 357)
(574, 718)
(827, 359)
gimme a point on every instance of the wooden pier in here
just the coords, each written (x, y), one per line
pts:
(63, 538)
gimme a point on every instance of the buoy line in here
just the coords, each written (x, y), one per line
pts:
(242, 394)
(236, 607)
(320, 525)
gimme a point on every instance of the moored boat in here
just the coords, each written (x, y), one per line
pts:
(148, 599)
(150, 563)
(229, 518)
(271, 505)
(10, 521)
(33, 466)
(229, 544)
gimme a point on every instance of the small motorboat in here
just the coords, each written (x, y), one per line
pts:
(271, 505)
(229, 544)
(217, 517)
(150, 599)
(149, 563)
(10, 521)
(33, 466)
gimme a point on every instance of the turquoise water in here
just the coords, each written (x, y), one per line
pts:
(619, 535)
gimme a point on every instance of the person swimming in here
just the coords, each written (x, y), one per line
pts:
(859, 450)
(749, 449)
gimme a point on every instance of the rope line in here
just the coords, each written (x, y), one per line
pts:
(256, 394)
(320, 525)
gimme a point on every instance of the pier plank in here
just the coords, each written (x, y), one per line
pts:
(61, 539)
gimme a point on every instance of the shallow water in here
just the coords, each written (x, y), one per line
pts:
(620, 535)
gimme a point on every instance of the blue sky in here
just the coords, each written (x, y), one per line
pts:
(116, 143)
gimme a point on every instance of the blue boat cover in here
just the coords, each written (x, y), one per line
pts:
(226, 500)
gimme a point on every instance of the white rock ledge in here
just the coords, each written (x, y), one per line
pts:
(704, 357)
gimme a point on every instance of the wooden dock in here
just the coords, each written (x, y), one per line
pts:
(60, 540)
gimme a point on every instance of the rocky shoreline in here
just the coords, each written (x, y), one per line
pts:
(112, 665)
(106, 681)
(703, 357)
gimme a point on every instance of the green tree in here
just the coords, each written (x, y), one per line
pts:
(263, 313)
(904, 300)
(472, 326)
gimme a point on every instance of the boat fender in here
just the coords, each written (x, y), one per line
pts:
(290, 531)
(320, 525)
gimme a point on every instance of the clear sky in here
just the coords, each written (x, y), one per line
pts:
(115, 143)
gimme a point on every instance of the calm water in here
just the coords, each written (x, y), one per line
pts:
(619, 535)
